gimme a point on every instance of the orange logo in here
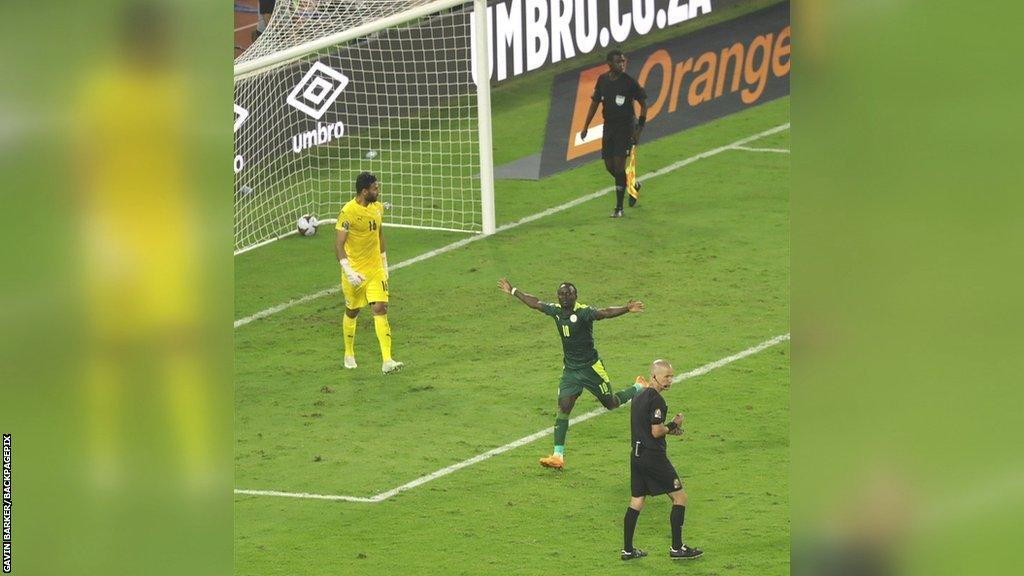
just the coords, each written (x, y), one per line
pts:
(684, 85)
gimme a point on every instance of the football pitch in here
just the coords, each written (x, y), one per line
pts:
(707, 250)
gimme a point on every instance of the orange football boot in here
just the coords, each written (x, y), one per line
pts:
(554, 461)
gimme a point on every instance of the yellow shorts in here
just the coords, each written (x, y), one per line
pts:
(373, 289)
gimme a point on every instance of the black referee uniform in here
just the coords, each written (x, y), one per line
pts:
(651, 473)
(617, 97)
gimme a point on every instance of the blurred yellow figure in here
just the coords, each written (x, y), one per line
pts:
(139, 247)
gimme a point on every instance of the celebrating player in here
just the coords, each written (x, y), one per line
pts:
(364, 264)
(650, 471)
(582, 366)
(616, 91)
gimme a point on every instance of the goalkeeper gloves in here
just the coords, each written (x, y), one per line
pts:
(384, 263)
(354, 278)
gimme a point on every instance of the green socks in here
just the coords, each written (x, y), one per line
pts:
(561, 429)
(627, 394)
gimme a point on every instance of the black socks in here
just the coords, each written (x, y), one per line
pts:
(629, 526)
(678, 513)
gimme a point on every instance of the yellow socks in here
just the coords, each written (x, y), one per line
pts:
(348, 326)
(383, 327)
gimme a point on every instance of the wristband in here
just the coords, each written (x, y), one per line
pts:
(384, 260)
(672, 426)
(642, 121)
(513, 292)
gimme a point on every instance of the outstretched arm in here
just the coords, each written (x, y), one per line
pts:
(523, 297)
(613, 311)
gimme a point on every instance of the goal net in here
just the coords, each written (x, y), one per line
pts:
(336, 87)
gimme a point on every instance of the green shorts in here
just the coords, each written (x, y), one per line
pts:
(593, 378)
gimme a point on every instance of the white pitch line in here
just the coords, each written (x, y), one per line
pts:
(303, 495)
(505, 227)
(512, 445)
(729, 359)
(748, 149)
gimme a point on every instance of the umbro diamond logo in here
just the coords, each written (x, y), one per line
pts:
(317, 90)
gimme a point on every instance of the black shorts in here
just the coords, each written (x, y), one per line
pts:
(616, 141)
(652, 474)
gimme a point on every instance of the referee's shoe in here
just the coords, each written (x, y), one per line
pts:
(684, 553)
(633, 554)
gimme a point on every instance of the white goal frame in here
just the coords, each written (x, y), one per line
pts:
(481, 44)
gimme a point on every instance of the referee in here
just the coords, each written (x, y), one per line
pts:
(616, 91)
(650, 471)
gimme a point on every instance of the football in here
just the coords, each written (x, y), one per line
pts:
(307, 225)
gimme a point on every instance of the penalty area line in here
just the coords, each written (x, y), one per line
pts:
(737, 145)
(511, 445)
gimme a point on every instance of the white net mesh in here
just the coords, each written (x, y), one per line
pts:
(400, 103)
(296, 22)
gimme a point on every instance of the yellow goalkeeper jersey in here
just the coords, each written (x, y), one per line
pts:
(362, 246)
(139, 232)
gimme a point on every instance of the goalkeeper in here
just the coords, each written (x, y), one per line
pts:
(359, 245)
(616, 91)
(582, 367)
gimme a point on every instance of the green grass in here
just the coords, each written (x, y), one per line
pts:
(294, 266)
(707, 251)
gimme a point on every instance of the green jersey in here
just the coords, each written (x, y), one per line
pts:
(577, 331)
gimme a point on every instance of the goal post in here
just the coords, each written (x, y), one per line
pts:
(333, 88)
(481, 42)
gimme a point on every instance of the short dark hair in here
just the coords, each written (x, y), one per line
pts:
(613, 54)
(364, 181)
(570, 285)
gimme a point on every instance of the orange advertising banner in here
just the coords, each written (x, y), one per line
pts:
(689, 80)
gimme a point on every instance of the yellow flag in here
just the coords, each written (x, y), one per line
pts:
(631, 183)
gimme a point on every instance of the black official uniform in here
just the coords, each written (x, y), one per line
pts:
(651, 473)
(616, 97)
